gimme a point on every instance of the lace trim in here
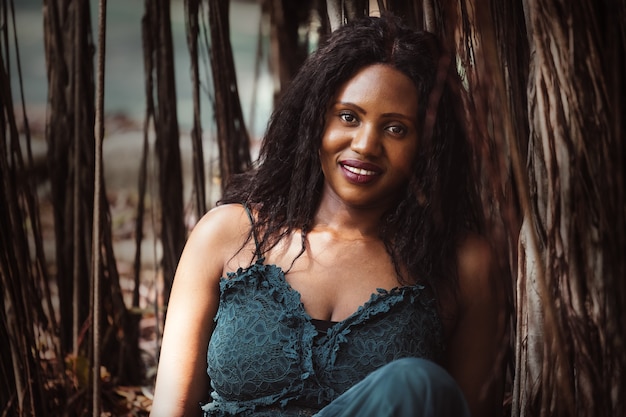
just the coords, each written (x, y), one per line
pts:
(300, 342)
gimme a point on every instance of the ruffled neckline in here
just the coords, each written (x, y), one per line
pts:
(274, 276)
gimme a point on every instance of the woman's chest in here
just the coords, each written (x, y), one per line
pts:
(264, 342)
(334, 280)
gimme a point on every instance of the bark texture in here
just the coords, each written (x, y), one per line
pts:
(571, 278)
(157, 40)
(232, 136)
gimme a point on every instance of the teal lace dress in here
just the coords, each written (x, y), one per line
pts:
(266, 357)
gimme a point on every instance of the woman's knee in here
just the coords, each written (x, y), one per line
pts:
(415, 371)
(409, 387)
(415, 383)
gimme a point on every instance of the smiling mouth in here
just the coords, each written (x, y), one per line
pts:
(358, 171)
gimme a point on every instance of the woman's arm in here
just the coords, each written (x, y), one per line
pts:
(182, 382)
(476, 346)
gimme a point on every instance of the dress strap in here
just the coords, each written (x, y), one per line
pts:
(257, 250)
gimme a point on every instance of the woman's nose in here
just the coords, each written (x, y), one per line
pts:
(366, 140)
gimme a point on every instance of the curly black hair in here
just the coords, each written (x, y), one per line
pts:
(422, 229)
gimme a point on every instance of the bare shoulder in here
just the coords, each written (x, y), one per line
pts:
(221, 232)
(223, 218)
(475, 261)
(227, 224)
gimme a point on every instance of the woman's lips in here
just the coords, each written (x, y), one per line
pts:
(360, 172)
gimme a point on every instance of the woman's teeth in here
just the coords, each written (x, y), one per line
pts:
(359, 171)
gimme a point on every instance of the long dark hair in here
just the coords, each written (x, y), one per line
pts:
(422, 230)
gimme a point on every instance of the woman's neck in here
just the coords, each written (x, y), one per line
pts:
(347, 223)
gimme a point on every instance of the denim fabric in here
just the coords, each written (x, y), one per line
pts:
(409, 387)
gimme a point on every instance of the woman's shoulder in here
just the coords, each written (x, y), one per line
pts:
(228, 221)
(225, 228)
(478, 280)
(226, 215)
(474, 257)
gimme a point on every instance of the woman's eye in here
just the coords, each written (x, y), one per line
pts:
(347, 117)
(396, 130)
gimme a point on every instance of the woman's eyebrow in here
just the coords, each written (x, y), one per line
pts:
(347, 103)
(399, 116)
(363, 111)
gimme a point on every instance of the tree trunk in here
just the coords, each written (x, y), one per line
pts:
(22, 317)
(571, 286)
(289, 48)
(569, 265)
(70, 110)
(192, 8)
(232, 137)
(342, 11)
(157, 24)
(70, 138)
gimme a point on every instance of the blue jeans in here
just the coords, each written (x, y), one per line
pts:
(409, 387)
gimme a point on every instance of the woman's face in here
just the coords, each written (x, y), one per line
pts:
(370, 138)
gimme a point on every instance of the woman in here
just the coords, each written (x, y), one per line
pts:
(342, 275)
